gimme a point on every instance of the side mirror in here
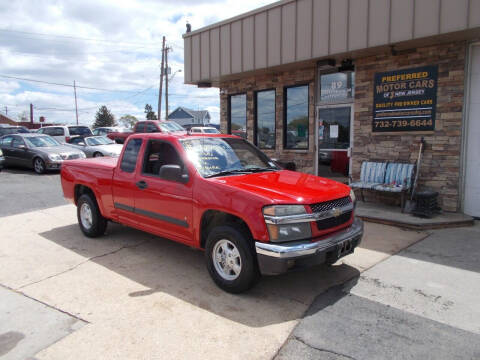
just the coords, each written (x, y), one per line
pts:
(23, 147)
(173, 173)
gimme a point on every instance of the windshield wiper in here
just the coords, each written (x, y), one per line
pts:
(228, 172)
(241, 171)
(260, 169)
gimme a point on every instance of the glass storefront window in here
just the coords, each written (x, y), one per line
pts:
(336, 87)
(295, 134)
(265, 119)
(238, 115)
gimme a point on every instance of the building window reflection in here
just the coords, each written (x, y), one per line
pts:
(237, 119)
(295, 134)
(265, 119)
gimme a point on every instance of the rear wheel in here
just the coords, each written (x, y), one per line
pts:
(97, 154)
(39, 165)
(231, 259)
(91, 221)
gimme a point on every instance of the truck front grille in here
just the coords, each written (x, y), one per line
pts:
(334, 220)
(329, 205)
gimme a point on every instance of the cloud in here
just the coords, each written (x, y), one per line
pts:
(104, 44)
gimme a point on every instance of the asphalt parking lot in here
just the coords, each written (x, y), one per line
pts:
(133, 295)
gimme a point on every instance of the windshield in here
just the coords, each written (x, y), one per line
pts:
(41, 141)
(99, 140)
(79, 130)
(170, 126)
(211, 131)
(220, 156)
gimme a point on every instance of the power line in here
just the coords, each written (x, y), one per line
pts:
(78, 38)
(65, 85)
(100, 89)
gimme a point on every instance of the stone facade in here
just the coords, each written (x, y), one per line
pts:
(304, 159)
(440, 167)
(441, 160)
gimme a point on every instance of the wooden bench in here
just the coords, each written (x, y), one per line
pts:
(387, 177)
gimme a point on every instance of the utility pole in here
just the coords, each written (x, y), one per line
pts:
(31, 113)
(6, 110)
(166, 83)
(75, 93)
(161, 79)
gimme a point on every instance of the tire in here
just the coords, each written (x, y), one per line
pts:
(230, 258)
(39, 166)
(90, 220)
(97, 154)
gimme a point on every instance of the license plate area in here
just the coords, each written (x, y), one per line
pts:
(344, 248)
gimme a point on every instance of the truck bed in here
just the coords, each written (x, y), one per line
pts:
(95, 173)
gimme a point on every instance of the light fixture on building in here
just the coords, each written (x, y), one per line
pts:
(326, 64)
(347, 65)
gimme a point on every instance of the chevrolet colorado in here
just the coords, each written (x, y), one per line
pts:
(221, 194)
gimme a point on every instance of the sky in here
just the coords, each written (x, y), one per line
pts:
(110, 48)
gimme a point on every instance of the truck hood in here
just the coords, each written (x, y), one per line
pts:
(287, 186)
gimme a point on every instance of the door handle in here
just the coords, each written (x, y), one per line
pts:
(142, 185)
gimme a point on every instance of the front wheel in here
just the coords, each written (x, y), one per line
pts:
(97, 154)
(230, 259)
(39, 165)
(91, 221)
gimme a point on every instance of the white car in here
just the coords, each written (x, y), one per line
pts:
(64, 133)
(204, 130)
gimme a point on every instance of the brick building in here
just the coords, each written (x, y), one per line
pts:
(329, 84)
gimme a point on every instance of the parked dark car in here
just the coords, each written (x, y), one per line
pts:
(6, 130)
(2, 159)
(109, 129)
(36, 151)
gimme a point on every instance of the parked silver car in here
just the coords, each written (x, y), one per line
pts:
(96, 146)
(36, 151)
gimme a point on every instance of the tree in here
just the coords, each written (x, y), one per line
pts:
(23, 116)
(128, 121)
(150, 113)
(104, 117)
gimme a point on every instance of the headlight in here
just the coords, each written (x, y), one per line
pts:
(352, 195)
(82, 155)
(1, 153)
(287, 232)
(54, 157)
(284, 210)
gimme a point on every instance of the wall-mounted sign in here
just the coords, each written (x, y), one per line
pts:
(336, 87)
(405, 100)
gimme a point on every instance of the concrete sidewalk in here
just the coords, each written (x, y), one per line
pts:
(422, 303)
(149, 298)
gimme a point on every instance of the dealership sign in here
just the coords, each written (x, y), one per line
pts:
(405, 100)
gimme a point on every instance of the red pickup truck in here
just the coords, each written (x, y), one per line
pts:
(147, 126)
(221, 194)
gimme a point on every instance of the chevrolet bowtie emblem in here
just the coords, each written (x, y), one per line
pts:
(336, 212)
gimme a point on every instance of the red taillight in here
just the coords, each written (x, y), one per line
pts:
(67, 138)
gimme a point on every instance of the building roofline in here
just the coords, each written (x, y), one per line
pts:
(238, 17)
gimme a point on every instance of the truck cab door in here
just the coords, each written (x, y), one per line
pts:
(123, 187)
(164, 203)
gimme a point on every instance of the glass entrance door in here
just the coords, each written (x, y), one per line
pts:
(334, 134)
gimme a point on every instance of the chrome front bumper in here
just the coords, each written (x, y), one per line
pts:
(279, 258)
